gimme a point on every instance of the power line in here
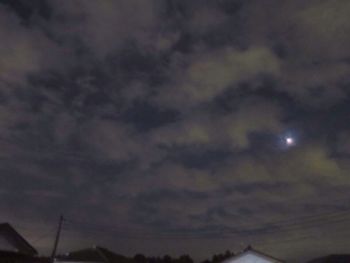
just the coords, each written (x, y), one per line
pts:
(285, 225)
(310, 222)
(282, 224)
(91, 231)
(227, 234)
(42, 237)
(317, 220)
(286, 241)
(139, 237)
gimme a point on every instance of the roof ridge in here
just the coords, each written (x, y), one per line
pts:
(16, 239)
(249, 248)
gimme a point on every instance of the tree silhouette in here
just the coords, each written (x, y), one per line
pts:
(218, 258)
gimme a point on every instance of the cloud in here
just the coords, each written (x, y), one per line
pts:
(104, 27)
(235, 128)
(206, 75)
(324, 25)
(343, 143)
(135, 118)
(173, 176)
(205, 19)
(245, 192)
(23, 50)
(312, 161)
(117, 141)
(321, 41)
(65, 126)
(316, 85)
(311, 41)
(111, 139)
(270, 183)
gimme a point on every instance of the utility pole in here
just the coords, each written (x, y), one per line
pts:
(56, 239)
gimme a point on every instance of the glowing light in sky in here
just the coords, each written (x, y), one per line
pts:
(289, 141)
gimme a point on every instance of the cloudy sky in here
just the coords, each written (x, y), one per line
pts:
(160, 126)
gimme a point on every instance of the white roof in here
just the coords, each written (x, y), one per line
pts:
(252, 256)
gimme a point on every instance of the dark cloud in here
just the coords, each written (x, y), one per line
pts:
(164, 120)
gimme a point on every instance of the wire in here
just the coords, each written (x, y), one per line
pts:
(285, 241)
(70, 226)
(301, 225)
(330, 218)
(268, 227)
(45, 236)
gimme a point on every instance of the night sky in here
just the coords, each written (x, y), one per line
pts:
(173, 126)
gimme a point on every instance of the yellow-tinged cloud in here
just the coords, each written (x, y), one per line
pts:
(177, 177)
(259, 116)
(244, 170)
(231, 130)
(298, 168)
(206, 74)
(210, 74)
(313, 160)
(312, 39)
(326, 24)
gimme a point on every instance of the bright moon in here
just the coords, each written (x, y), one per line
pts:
(289, 141)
